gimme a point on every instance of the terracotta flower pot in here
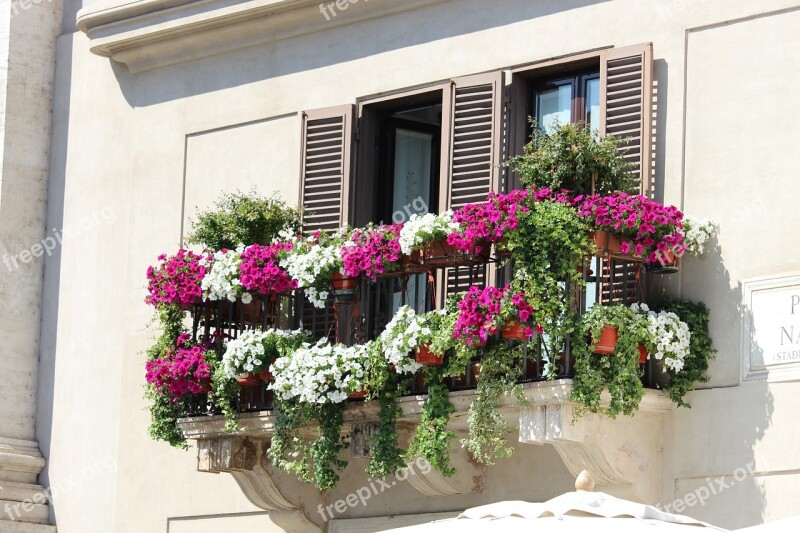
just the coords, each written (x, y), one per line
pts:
(607, 342)
(412, 264)
(266, 375)
(360, 395)
(479, 344)
(607, 242)
(514, 330)
(248, 380)
(643, 353)
(340, 283)
(426, 357)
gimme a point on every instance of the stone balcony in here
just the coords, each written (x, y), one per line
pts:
(622, 455)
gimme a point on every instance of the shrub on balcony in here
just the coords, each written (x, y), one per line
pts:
(573, 157)
(238, 218)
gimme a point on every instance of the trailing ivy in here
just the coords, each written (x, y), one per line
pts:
(325, 450)
(488, 429)
(695, 365)
(432, 439)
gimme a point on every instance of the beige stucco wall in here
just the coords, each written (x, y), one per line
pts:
(128, 144)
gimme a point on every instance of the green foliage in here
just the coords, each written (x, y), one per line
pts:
(695, 365)
(386, 456)
(568, 157)
(318, 461)
(164, 415)
(488, 429)
(238, 218)
(548, 249)
(432, 439)
(619, 372)
(225, 396)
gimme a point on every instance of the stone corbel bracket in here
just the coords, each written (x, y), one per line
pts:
(624, 454)
(243, 459)
(150, 34)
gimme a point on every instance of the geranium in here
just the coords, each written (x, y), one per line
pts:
(653, 229)
(488, 221)
(371, 251)
(254, 350)
(260, 270)
(400, 338)
(222, 281)
(177, 280)
(311, 262)
(422, 229)
(182, 371)
(696, 231)
(669, 336)
(320, 373)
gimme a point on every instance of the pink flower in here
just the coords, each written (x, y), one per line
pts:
(372, 251)
(260, 270)
(177, 280)
(182, 371)
(488, 221)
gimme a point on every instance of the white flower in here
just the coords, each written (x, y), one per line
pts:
(246, 353)
(222, 281)
(670, 336)
(401, 338)
(308, 265)
(320, 373)
(696, 232)
(425, 228)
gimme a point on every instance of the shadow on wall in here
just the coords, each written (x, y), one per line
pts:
(718, 437)
(339, 45)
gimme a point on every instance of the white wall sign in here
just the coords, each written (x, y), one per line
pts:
(771, 329)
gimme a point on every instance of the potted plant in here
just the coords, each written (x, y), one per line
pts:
(478, 315)
(371, 252)
(515, 314)
(423, 230)
(432, 438)
(177, 279)
(248, 357)
(313, 261)
(646, 228)
(573, 157)
(618, 371)
(313, 383)
(260, 270)
(183, 370)
(696, 232)
(238, 218)
(488, 222)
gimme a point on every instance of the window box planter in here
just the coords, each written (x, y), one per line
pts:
(360, 395)
(248, 380)
(426, 357)
(514, 330)
(440, 254)
(266, 376)
(606, 242)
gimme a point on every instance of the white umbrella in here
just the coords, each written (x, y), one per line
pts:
(778, 526)
(579, 511)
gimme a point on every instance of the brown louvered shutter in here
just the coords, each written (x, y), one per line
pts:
(326, 147)
(626, 88)
(476, 137)
(325, 179)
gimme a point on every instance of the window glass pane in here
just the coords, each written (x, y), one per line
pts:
(412, 183)
(593, 103)
(554, 106)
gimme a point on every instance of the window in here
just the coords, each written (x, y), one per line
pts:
(567, 99)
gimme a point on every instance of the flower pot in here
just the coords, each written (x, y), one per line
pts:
(340, 283)
(643, 353)
(440, 254)
(514, 330)
(606, 242)
(607, 342)
(206, 384)
(266, 375)
(667, 263)
(248, 380)
(479, 344)
(360, 395)
(426, 357)
(412, 264)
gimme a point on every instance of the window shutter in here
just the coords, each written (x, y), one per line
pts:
(326, 149)
(626, 87)
(326, 155)
(475, 138)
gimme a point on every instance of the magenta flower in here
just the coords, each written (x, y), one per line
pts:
(260, 270)
(183, 371)
(480, 312)
(487, 222)
(372, 251)
(177, 280)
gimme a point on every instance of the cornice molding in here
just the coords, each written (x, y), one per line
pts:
(151, 34)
